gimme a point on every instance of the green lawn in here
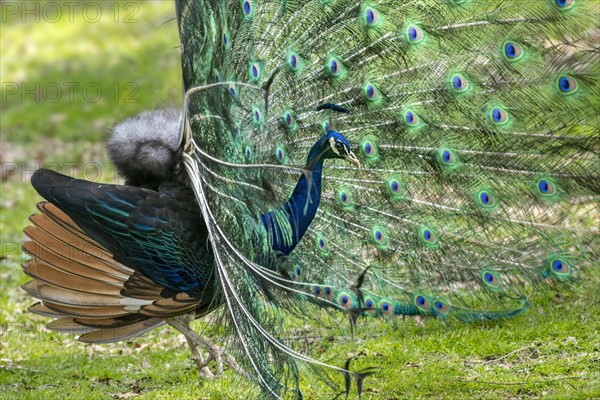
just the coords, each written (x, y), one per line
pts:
(552, 351)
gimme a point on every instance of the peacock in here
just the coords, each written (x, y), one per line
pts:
(377, 159)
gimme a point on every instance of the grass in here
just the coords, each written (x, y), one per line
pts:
(552, 351)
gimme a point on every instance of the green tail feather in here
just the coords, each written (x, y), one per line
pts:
(476, 126)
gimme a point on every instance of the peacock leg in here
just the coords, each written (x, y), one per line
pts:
(182, 324)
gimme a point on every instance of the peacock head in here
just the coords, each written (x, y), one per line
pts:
(335, 145)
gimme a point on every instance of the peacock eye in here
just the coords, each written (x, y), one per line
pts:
(338, 145)
(379, 237)
(564, 4)
(459, 83)
(441, 307)
(369, 149)
(317, 291)
(512, 51)
(499, 116)
(232, 90)
(329, 293)
(428, 238)
(415, 34)
(422, 302)
(560, 267)
(395, 189)
(567, 84)
(486, 199)
(372, 93)
(386, 309)
(281, 155)
(546, 187)
(371, 16)
(255, 71)
(490, 279)
(335, 68)
(411, 118)
(322, 245)
(345, 301)
(289, 120)
(447, 158)
(294, 62)
(247, 7)
(345, 199)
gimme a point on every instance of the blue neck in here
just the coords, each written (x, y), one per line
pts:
(299, 210)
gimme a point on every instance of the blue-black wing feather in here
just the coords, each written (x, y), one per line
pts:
(160, 234)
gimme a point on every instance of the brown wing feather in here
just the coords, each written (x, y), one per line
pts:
(40, 308)
(178, 304)
(46, 256)
(69, 234)
(59, 278)
(58, 216)
(54, 294)
(67, 325)
(86, 312)
(45, 246)
(105, 323)
(89, 292)
(141, 287)
(117, 334)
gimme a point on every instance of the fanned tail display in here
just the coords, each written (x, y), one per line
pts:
(421, 157)
(473, 123)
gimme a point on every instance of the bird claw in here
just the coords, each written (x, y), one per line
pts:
(182, 324)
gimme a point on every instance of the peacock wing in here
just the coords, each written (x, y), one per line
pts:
(155, 233)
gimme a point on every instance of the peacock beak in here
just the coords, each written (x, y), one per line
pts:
(351, 158)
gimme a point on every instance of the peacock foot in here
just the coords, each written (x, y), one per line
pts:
(195, 341)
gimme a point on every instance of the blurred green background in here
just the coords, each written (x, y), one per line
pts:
(72, 69)
(66, 80)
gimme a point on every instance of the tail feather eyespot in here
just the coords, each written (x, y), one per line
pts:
(345, 301)
(422, 303)
(459, 83)
(512, 51)
(567, 84)
(564, 4)
(386, 309)
(414, 34)
(370, 306)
